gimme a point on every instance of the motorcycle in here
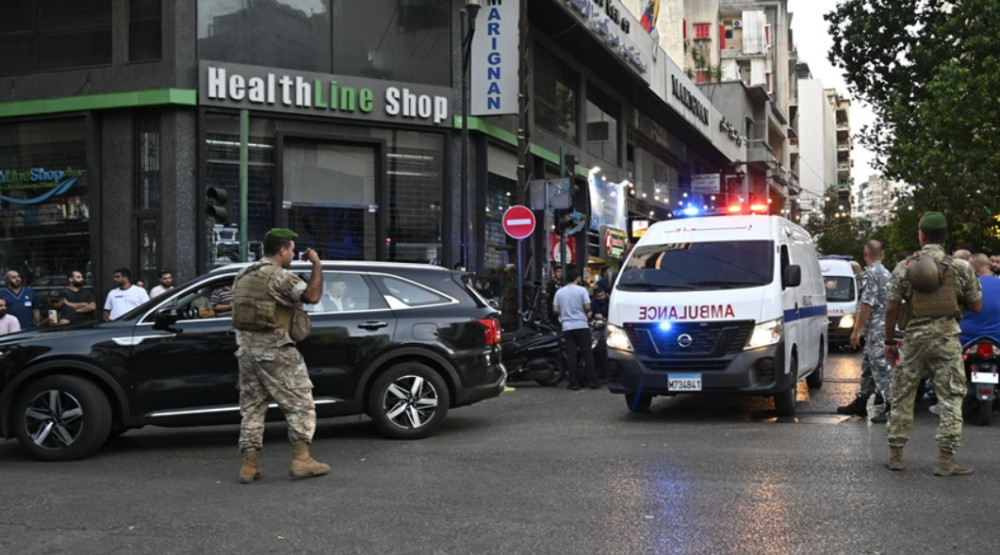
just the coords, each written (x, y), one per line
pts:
(534, 352)
(982, 363)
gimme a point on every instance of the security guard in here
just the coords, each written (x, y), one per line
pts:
(265, 296)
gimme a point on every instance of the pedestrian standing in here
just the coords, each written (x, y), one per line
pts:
(22, 302)
(8, 324)
(80, 299)
(124, 297)
(930, 343)
(265, 296)
(876, 375)
(572, 304)
(166, 278)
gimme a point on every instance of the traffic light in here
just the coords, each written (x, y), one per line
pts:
(216, 198)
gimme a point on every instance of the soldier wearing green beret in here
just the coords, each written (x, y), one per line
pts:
(930, 343)
(265, 295)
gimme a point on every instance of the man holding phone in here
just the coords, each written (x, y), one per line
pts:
(60, 313)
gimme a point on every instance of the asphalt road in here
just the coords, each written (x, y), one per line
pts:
(539, 470)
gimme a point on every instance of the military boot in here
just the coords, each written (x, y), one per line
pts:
(249, 471)
(856, 407)
(303, 465)
(947, 466)
(895, 461)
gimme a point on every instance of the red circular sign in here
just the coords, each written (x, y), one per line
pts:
(519, 221)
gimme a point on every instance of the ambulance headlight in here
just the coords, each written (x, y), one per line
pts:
(617, 338)
(847, 321)
(765, 333)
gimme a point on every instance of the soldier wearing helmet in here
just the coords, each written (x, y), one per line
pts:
(938, 287)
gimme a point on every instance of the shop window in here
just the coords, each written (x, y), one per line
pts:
(149, 262)
(415, 172)
(44, 216)
(222, 171)
(144, 30)
(147, 161)
(277, 33)
(54, 34)
(602, 125)
(556, 96)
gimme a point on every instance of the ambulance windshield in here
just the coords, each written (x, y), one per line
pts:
(698, 266)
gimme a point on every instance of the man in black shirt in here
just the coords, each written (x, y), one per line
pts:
(60, 313)
(79, 299)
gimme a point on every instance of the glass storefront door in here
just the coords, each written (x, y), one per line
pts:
(330, 197)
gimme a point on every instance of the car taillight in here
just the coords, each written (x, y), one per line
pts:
(492, 326)
(984, 350)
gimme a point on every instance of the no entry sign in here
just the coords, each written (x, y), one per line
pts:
(519, 221)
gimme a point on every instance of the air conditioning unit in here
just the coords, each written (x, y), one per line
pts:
(737, 23)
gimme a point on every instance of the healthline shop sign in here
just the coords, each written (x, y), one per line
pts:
(322, 94)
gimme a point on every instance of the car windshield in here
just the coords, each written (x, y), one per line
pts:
(700, 266)
(839, 289)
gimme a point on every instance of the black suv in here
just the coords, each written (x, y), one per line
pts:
(407, 343)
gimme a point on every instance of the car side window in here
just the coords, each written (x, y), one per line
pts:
(194, 303)
(346, 292)
(402, 293)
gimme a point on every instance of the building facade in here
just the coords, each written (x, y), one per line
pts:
(148, 134)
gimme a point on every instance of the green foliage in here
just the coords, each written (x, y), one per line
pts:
(836, 232)
(929, 69)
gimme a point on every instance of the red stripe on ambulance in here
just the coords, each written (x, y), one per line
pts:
(687, 312)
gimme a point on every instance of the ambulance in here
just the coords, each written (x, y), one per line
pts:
(727, 304)
(842, 297)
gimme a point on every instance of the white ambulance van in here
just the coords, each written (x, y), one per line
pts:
(730, 304)
(843, 290)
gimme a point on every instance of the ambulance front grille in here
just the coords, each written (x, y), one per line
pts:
(689, 339)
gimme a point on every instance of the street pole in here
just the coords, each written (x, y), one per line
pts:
(468, 14)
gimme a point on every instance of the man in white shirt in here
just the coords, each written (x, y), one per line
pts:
(166, 284)
(8, 324)
(333, 300)
(125, 297)
(572, 304)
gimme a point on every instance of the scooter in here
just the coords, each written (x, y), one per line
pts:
(534, 352)
(982, 364)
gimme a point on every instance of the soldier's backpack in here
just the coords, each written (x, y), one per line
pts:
(939, 302)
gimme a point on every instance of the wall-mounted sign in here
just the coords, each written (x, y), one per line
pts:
(687, 100)
(705, 183)
(639, 228)
(36, 185)
(607, 203)
(494, 61)
(731, 131)
(319, 94)
(612, 23)
(613, 242)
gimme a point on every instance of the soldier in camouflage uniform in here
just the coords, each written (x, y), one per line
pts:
(930, 344)
(875, 373)
(270, 365)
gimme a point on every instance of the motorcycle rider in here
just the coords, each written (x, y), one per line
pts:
(986, 322)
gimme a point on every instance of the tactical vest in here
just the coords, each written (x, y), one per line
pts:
(253, 308)
(943, 301)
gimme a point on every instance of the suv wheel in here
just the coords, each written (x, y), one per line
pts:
(408, 401)
(61, 418)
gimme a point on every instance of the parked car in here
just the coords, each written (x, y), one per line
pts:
(415, 341)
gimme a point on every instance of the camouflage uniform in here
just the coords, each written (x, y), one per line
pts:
(875, 374)
(931, 345)
(272, 368)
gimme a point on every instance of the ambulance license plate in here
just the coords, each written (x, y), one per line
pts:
(684, 382)
(985, 377)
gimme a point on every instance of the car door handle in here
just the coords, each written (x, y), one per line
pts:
(373, 325)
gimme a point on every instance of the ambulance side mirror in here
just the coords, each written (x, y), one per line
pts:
(792, 276)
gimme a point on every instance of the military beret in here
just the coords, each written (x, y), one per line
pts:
(933, 221)
(282, 233)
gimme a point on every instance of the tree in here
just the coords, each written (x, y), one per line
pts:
(836, 232)
(928, 68)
